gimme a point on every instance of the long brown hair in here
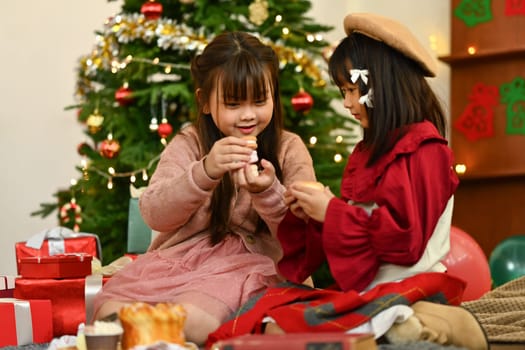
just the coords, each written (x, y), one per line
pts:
(239, 62)
(401, 94)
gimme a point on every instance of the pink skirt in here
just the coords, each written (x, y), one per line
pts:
(216, 279)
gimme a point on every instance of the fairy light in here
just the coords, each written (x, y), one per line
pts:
(313, 140)
(339, 139)
(73, 182)
(338, 158)
(154, 124)
(472, 50)
(111, 173)
(278, 18)
(460, 168)
(432, 39)
(286, 31)
(310, 38)
(115, 65)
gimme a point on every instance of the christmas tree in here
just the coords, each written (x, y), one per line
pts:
(134, 92)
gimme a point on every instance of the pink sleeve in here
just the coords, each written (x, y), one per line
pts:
(178, 187)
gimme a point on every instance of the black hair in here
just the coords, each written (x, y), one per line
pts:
(401, 93)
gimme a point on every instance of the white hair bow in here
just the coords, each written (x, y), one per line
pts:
(359, 73)
(367, 99)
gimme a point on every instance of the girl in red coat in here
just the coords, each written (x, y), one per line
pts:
(385, 237)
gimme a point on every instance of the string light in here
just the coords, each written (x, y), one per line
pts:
(111, 173)
(169, 35)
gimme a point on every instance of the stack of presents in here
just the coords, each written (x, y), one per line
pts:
(59, 274)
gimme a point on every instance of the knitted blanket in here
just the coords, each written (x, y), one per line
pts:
(501, 312)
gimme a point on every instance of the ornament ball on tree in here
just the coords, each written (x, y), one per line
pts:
(94, 122)
(302, 101)
(164, 130)
(152, 10)
(123, 96)
(109, 148)
(83, 148)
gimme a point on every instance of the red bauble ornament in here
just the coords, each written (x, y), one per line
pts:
(109, 148)
(123, 96)
(83, 148)
(151, 10)
(302, 101)
(165, 130)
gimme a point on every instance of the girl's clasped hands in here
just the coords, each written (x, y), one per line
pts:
(233, 154)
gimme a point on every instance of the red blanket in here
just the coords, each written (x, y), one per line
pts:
(298, 308)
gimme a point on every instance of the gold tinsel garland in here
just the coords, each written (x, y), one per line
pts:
(167, 34)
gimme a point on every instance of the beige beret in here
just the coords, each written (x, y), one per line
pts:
(392, 33)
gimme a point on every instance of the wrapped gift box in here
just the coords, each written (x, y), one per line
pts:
(25, 322)
(68, 299)
(7, 286)
(59, 240)
(56, 266)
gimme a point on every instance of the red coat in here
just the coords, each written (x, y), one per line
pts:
(410, 185)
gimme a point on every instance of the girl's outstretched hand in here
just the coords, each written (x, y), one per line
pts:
(295, 208)
(253, 180)
(307, 200)
(227, 154)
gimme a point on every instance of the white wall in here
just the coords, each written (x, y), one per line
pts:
(40, 42)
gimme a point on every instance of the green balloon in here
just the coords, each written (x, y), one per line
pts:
(507, 260)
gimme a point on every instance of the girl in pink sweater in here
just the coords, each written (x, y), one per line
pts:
(217, 219)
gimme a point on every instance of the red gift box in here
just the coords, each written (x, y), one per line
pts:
(25, 322)
(56, 266)
(59, 240)
(68, 298)
(7, 286)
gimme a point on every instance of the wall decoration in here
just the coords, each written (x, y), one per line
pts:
(474, 12)
(477, 119)
(513, 94)
(514, 7)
